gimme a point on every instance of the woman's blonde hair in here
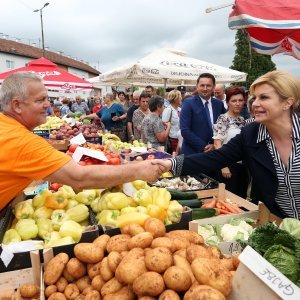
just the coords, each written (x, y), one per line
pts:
(174, 95)
(285, 84)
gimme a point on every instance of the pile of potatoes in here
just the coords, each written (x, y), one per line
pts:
(141, 263)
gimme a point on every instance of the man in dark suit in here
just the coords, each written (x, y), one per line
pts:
(198, 114)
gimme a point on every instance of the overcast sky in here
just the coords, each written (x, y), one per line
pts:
(110, 33)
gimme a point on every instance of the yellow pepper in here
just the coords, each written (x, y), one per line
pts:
(38, 200)
(58, 200)
(161, 197)
(131, 218)
(157, 212)
(116, 200)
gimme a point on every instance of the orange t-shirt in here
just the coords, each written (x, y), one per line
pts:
(24, 157)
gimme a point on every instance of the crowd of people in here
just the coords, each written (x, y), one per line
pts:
(215, 130)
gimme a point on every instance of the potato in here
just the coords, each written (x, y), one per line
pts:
(210, 272)
(196, 251)
(97, 283)
(71, 291)
(134, 229)
(49, 290)
(68, 276)
(146, 298)
(118, 243)
(87, 290)
(179, 243)
(181, 252)
(111, 287)
(155, 227)
(105, 271)
(227, 263)
(158, 259)
(177, 279)
(232, 273)
(93, 295)
(215, 251)
(80, 297)
(76, 268)
(83, 282)
(93, 269)
(29, 290)
(125, 229)
(125, 293)
(203, 292)
(169, 295)
(162, 242)
(124, 253)
(235, 261)
(182, 263)
(130, 268)
(57, 296)
(55, 268)
(89, 252)
(101, 241)
(61, 284)
(114, 258)
(191, 236)
(141, 240)
(149, 284)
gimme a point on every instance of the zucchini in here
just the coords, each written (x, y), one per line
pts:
(193, 203)
(202, 213)
(178, 195)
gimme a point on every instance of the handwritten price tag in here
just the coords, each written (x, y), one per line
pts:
(274, 279)
(230, 248)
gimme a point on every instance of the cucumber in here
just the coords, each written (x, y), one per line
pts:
(177, 195)
(193, 203)
(202, 213)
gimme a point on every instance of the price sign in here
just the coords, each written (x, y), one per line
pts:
(274, 279)
(230, 248)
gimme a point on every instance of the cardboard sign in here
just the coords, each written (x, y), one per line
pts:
(230, 248)
(80, 151)
(267, 273)
(78, 139)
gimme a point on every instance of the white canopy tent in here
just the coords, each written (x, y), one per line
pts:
(168, 67)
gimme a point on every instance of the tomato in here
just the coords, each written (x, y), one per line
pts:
(72, 148)
(151, 156)
(82, 163)
(114, 161)
(114, 155)
(101, 147)
(55, 186)
(89, 162)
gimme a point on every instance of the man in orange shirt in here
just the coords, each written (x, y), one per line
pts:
(25, 157)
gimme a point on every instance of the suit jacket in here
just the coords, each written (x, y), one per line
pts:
(255, 156)
(194, 124)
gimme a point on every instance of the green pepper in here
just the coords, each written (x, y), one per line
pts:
(44, 228)
(142, 197)
(42, 212)
(71, 229)
(23, 210)
(174, 211)
(11, 236)
(86, 196)
(27, 229)
(39, 200)
(78, 213)
(116, 200)
(68, 191)
(108, 217)
(57, 218)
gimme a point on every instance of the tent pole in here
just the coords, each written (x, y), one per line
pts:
(165, 85)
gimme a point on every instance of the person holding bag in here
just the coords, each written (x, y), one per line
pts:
(171, 114)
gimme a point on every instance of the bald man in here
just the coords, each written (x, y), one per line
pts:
(220, 94)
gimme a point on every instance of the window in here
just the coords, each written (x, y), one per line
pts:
(10, 64)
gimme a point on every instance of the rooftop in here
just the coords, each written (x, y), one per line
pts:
(16, 48)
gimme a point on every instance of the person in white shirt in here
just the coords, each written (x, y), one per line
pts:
(220, 94)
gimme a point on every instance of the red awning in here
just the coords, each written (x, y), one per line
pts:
(53, 77)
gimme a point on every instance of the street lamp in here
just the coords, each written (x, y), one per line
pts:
(41, 14)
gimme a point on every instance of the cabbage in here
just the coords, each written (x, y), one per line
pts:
(292, 226)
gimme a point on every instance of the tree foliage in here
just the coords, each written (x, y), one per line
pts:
(248, 61)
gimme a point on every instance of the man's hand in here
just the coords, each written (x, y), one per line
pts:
(150, 170)
(165, 163)
(208, 148)
(226, 173)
